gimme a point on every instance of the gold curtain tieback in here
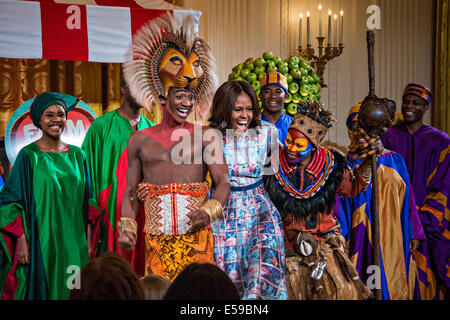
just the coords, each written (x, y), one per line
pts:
(213, 208)
(127, 224)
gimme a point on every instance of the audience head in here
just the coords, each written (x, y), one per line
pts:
(155, 286)
(202, 282)
(109, 277)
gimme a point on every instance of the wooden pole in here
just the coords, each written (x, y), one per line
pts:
(375, 213)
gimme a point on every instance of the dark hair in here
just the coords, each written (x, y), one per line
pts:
(109, 277)
(203, 281)
(155, 286)
(224, 101)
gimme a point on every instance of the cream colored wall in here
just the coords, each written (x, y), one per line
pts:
(238, 29)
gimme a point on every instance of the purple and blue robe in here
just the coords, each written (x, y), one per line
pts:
(427, 157)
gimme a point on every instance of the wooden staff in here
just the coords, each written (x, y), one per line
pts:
(375, 213)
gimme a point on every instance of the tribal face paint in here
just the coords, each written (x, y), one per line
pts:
(297, 146)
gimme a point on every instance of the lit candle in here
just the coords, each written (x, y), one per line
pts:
(320, 21)
(335, 30)
(329, 27)
(300, 40)
(341, 35)
(308, 31)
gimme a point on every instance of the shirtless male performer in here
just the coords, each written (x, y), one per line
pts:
(165, 157)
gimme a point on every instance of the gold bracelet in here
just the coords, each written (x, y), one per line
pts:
(127, 224)
(213, 208)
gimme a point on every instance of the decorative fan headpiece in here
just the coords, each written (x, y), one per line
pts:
(313, 121)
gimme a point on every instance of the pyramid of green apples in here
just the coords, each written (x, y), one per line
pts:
(302, 80)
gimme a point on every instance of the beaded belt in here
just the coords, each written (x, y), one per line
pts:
(249, 187)
(168, 207)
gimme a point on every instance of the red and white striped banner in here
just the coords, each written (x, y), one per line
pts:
(77, 30)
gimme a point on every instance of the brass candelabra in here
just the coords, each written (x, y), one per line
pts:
(319, 62)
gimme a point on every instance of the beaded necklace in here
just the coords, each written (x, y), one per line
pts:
(320, 167)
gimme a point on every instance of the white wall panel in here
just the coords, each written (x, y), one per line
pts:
(238, 29)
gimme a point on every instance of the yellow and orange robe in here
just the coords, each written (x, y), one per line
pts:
(399, 223)
(170, 244)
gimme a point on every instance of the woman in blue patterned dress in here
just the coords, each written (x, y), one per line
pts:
(248, 241)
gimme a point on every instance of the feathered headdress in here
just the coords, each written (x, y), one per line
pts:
(313, 121)
(165, 55)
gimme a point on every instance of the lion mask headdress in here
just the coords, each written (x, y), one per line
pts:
(164, 55)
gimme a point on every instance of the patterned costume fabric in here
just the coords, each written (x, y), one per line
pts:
(248, 242)
(399, 223)
(34, 202)
(427, 157)
(170, 245)
(167, 256)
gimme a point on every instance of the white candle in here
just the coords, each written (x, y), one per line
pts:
(341, 35)
(300, 39)
(320, 21)
(329, 27)
(308, 31)
(335, 30)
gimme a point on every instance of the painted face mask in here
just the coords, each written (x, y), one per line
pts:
(297, 143)
(176, 70)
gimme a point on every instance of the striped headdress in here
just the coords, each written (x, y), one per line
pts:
(274, 79)
(418, 91)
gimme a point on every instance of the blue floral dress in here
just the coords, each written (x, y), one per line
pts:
(248, 241)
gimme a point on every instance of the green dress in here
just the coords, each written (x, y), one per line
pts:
(105, 146)
(46, 196)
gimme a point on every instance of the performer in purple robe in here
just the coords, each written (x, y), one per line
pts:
(426, 152)
(400, 225)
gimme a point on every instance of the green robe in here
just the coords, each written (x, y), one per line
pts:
(105, 146)
(46, 197)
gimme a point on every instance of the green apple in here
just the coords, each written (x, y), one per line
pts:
(293, 87)
(310, 70)
(304, 64)
(303, 71)
(270, 63)
(282, 63)
(261, 75)
(251, 77)
(245, 72)
(271, 69)
(318, 96)
(256, 85)
(284, 69)
(259, 62)
(250, 66)
(316, 78)
(293, 65)
(304, 80)
(295, 73)
(233, 76)
(289, 98)
(277, 59)
(267, 55)
(259, 69)
(239, 79)
(296, 98)
(294, 59)
(310, 79)
(292, 108)
(304, 90)
(289, 78)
